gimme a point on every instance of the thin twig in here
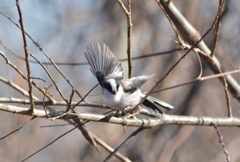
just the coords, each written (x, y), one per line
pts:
(68, 109)
(183, 56)
(41, 49)
(171, 22)
(44, 106)
(29, 80)
(199, 79)
(16, 87)
(217, 30)
(97, 139)
(190, 34)
(222, 75)
(125, 141)
(51, 142)
(211, 61)
(220, 137)
(129, 34)
(86, 63)
(24, 77)
(17, 129)
(110, 149)
(50, 76)
(84, 96)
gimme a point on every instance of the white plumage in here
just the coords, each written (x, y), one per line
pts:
(118, 93)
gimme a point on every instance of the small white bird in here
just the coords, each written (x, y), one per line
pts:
(118, 93)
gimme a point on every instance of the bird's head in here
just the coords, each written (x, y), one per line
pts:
(112, 85)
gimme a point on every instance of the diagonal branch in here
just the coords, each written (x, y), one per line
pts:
(52, 79)
(41, 49)
(124, 142)
(217, 33)
(16, 87)
(190, 34)
(24, 77)
(220, 137)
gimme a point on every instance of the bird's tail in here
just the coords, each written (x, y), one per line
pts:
(151, 102)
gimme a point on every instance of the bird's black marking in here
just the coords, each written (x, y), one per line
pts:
(100, 77)
(108, 87)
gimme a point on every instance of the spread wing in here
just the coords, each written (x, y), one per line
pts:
(131, 85)
(140, 80)
(104, 64)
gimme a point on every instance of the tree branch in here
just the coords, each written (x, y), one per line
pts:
(29, 80)
(145, 123)
(191, 35)
(129, 34)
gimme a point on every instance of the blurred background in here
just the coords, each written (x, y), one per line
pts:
(65, 28)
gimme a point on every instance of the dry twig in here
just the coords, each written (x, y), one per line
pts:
(220, 137)
(24, 77)
(29, 80)
(129, 33)
(217, 30)
(125, 141)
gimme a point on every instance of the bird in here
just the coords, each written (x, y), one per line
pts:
(118, 93)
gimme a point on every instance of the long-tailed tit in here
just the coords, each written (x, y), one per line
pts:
(118, 93)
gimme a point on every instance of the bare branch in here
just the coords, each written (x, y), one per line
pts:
(16, 87)
(24, 77)
(17, 129)
(110, 149)
(50, 143)
(191, 35)
(86, 63)
(50, 76)
(129, 34)
(171, 22)
(217, 30)
(41, 49)
(125, 141)
(63, 103)
(220, 137)
(29, 80)
(146, 123)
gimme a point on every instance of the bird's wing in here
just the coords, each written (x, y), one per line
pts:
(104, 64)
(131, 85)
(140, 80)
(128, 86)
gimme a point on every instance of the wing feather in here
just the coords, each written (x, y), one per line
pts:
(104, 64)
(140, 80)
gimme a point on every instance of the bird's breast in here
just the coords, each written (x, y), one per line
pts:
(121, 100)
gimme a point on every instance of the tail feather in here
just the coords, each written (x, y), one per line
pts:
(151, 102)
(152, 106)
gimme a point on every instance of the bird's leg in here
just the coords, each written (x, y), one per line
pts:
(130, 112)
(118, 114)
(133, 112)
